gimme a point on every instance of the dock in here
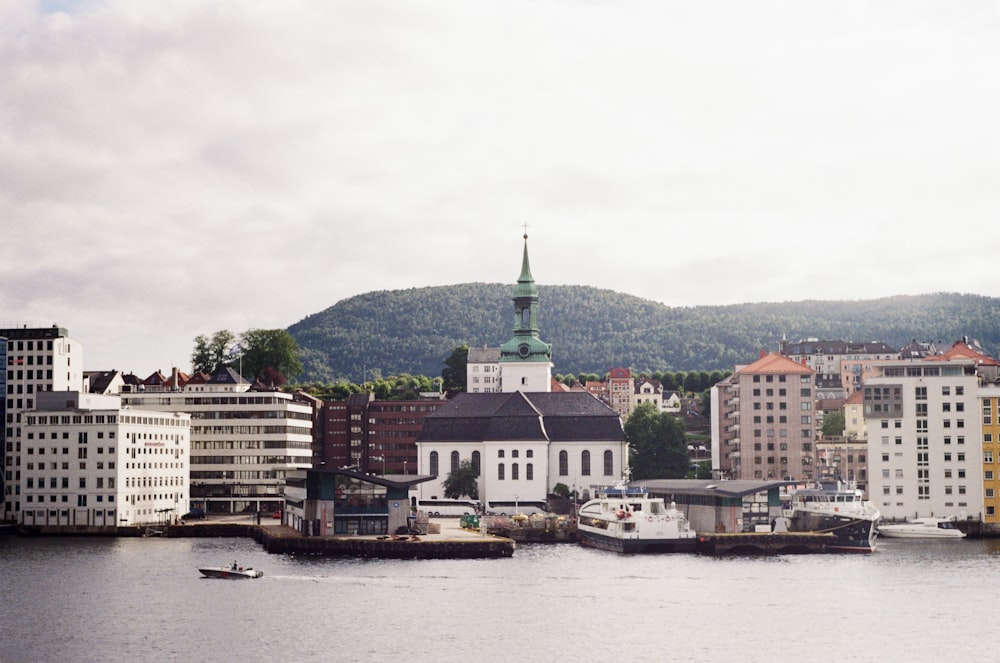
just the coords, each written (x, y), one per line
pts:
(764, 543)
(448, 541)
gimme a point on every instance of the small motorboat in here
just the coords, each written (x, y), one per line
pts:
(232, 572)
(922, 528)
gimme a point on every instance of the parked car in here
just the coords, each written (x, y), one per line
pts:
(194, 514)
(276, 515)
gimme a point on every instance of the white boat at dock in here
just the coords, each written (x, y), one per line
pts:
(627, 520)
(922, 528)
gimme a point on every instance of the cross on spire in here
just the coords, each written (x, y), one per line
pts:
(525, 230)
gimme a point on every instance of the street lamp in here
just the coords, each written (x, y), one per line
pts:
(515, 505)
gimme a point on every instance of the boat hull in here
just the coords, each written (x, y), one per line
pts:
(919, 535)
(918, 530)
(229, 574)
(635, 546)
(850, 534)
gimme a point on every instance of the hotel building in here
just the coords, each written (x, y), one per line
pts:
(89, 464)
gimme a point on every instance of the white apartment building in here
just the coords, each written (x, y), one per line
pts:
(242, 442)
(37, 360)
(482, 371)
(90, 464)
(924, 439)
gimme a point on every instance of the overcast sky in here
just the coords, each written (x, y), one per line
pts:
(173, 168)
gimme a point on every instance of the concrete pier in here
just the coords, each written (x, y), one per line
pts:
(449, 541)
(764, 543)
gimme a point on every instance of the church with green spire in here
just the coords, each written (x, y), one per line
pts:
(525, 360)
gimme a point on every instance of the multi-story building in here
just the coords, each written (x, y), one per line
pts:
(89, 464)
(854, 417)
(243, 442)
(844, 360)
(482, 371)
(924, 438)
(843, 457)
(37, 360)
(647, 390)
(374, 437)
(989, 404)
(764, 421)
(619, 391)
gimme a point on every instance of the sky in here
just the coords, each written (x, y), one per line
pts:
(174, 168)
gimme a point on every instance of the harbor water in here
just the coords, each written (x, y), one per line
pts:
(102, 599)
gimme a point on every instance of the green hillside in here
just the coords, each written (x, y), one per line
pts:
(592, 330)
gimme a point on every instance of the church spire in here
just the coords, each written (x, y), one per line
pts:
(525, 346)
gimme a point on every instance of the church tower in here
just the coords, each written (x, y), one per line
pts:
(525, 360)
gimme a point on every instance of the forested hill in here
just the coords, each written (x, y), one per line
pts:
(591, 330)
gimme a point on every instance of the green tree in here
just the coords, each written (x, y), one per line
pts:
(269, 348)
(561, 490)
(212, 353)
(833, 423)
(657, 444)
(453, 375)
(462, 482)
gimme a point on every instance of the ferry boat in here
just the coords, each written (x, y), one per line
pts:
(626, 519)
(839, 508)
(922, 528)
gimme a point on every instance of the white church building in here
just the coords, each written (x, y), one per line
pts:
(521, 437)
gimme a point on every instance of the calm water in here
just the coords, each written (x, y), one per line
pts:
(143, 600)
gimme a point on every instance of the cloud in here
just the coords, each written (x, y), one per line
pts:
(173, 168)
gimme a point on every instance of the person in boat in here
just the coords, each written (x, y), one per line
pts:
(235, 567)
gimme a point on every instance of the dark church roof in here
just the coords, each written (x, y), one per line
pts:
(552, 417)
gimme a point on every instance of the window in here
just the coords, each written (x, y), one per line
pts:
(585, 463)
(434, 463)
(609, 463)
(529, 472)
(500, 472)
(476, 462)
(921, 393)
(454, 461)
(514, 472)
(563, 463)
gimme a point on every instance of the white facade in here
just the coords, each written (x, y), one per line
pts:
(924, 439)
(242, 442)
(482, 371)
(39, 360)
(526, 377)
(523, 444)
(524, 471)
(91, 464)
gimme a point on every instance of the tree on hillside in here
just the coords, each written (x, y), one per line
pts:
(462, 482)
(453, 374)
(656, 443)
(269, 348)
(212, 353)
